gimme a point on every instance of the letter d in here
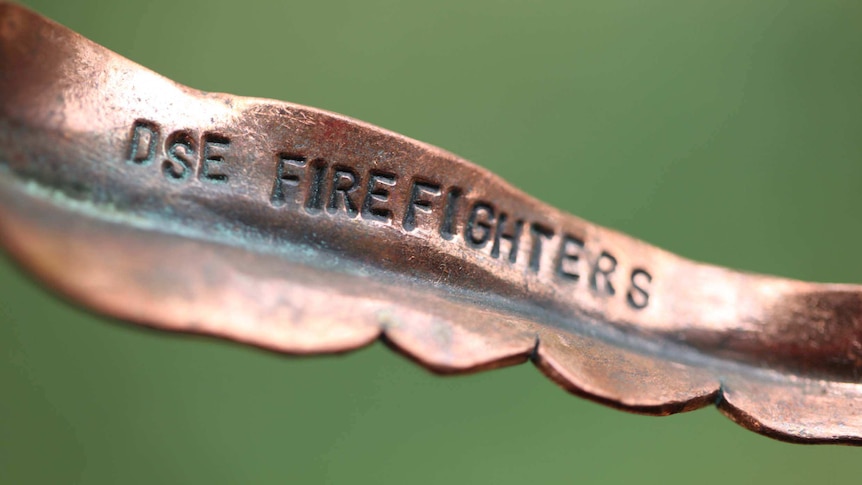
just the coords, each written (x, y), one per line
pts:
(142, 149)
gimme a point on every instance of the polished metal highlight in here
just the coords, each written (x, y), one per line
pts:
(303, 231)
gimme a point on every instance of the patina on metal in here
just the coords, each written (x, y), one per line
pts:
(304, 231)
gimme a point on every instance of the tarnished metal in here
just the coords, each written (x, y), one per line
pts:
(304, 231)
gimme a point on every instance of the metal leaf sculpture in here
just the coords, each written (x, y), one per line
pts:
(304, 231)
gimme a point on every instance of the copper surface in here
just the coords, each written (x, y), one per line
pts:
(304, 231)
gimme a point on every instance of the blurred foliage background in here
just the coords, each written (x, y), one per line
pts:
(725, 131)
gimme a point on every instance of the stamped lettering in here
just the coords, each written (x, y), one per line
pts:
(212, 167)
(288, 170)
(450, 208)
(422, 196)
(638, 296)
(509, 231)
(477, 231)
(407, 202)
(342, 191)
(142, 146)
(539, 234)
(180, 148)
(180, 153)
(377, 196)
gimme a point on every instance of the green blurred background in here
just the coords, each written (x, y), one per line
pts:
(726, 131)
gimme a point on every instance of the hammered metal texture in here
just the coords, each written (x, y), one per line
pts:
(303, 231)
